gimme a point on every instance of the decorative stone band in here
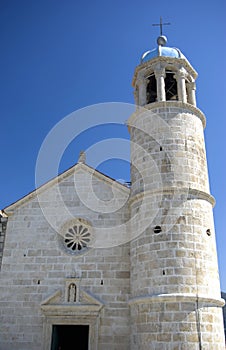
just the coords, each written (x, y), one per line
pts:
(197, 194)
(163, 106)
(176, 298)
(191, 193)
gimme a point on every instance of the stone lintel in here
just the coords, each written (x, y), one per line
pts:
(77, 309)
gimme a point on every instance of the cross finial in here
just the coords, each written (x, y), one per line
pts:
(160, 25)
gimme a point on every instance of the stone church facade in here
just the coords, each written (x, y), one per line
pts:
(99, 279)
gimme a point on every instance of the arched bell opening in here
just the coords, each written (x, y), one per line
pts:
(171, 86)
(151, 89)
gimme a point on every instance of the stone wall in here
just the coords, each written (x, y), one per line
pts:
(175, 290)
(36, 265)
(183, 325)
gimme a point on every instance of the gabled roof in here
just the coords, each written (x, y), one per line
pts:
(78, 166)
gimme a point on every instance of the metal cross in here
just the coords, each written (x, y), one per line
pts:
(161, 24)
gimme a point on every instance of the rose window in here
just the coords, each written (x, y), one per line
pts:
(77, 237)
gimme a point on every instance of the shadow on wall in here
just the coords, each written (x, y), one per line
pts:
(223, 295)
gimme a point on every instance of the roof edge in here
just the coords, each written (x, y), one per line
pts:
(10, 208)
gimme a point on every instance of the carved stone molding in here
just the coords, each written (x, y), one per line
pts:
(74, 306)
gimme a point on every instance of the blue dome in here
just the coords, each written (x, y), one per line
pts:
(161, 51)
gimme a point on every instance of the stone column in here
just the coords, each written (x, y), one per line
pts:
(181, 86)
(191, 87)
(142, 91)
(160, 80)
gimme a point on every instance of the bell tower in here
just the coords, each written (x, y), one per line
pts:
(164, 78)
(175, 292)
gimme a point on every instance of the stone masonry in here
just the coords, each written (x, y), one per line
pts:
(137, 265)
(36, 265)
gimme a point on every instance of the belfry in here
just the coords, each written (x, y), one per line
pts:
(157, 287)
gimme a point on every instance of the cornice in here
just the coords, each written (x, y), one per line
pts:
(192, 193)
(177, 297)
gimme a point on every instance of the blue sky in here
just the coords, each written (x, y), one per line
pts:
(59, 56)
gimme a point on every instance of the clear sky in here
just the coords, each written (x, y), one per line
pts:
(59, 56)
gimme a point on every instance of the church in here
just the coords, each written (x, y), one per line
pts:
(124, 266)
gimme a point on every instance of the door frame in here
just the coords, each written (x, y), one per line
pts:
(91, 321)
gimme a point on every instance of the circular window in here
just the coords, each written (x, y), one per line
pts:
(76, 237)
